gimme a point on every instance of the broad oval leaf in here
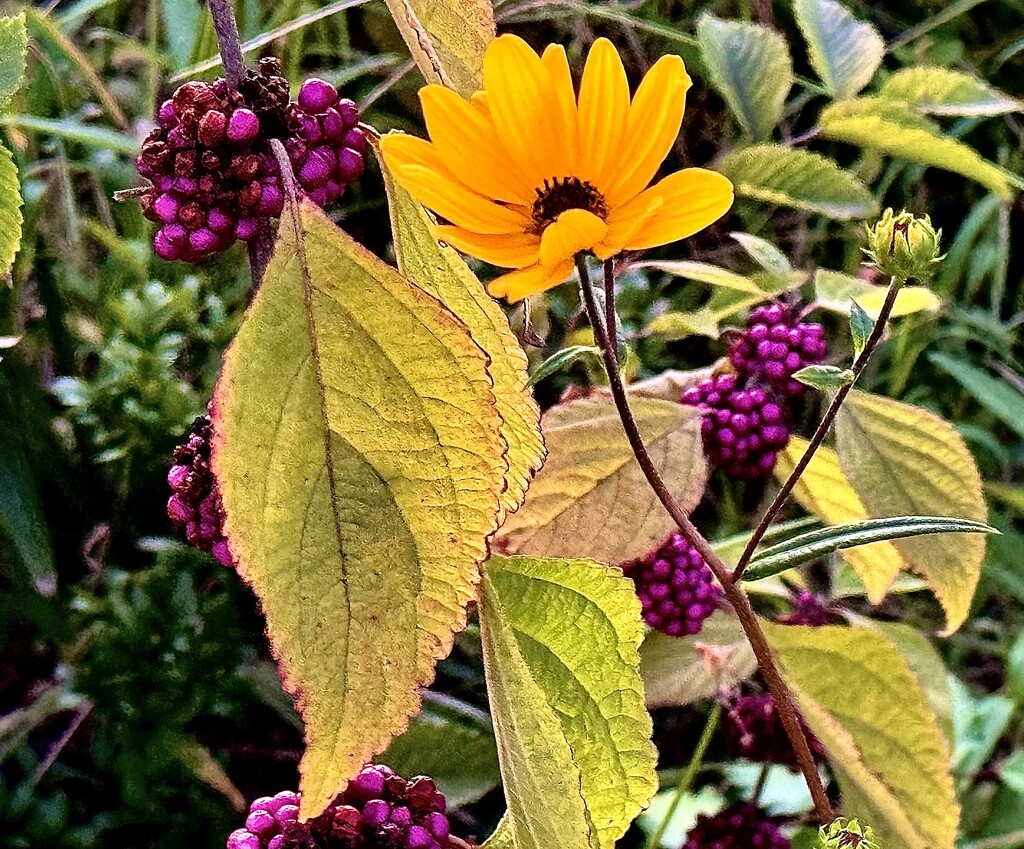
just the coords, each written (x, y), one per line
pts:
(591, 496)
(440, 271)
(447, 38)
(360, 459)
(836, 292)
(798, 179)
(13, 49)
(574, 737)
(10, 211)
(824, 490)
(865, 704)
(844, 52)
(888, 127)
(751, 67)
(902, 459)
(680, 670)
(943, 91)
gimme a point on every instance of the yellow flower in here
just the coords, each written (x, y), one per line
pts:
(526, 174)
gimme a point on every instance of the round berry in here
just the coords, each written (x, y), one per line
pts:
(740, 826)
(776, 345)
(808, 609)
(754, 732)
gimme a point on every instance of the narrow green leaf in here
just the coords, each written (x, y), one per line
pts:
(861, 325)
(997, 396)
(703, 272)
(673, 326)
(810, 546)
(21, 516)
(751, 67)
(181, 20)
(563, 359)
(844, 52)
(943, 91)
(74, 131)
(824, 377)
(765, 254)
(10, 211)
(13, 49)
(798, 179)
(567, 702)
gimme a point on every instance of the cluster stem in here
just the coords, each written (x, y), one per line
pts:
(733, 592)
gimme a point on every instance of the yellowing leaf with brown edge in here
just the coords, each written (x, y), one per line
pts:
(591, 498)
(824, 491)
(866, 705)
(440, 271)
(902, 460)
(447, 38)
(359, 455)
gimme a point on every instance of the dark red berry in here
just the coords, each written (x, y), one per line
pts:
(740, 826)
(809, 609)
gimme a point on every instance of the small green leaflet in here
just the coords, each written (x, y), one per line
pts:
(861, 326)
(563, 359)
(844, 51)
(824, 377)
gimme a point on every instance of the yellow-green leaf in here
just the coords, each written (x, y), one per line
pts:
(440, 271)
(561, 641)
(903, 460)
(863, 701)
(824, 490)
(888, 127)
(845, 52)
(835, 291)
(591, 496)
(360, 459)
(944, 91)
(10, 211)
(13, 48)
(447, 38)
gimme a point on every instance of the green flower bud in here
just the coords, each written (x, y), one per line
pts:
(843, 834)
(904, 245)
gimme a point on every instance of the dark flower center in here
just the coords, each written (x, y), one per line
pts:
(563, 193)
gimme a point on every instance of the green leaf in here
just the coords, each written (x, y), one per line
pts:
(676, 672)
(824, 377)
(844, 52)
(591, 496)
(440, 271)
(810, 546)
(765, 254)
(751, 67)
(567, 702)
(836, 292)
(563, 359)
(943, 91)
(182, 25)
(13, 49)
(673, 326)
(703, 272)
(978, 723)
(997, 396)
(798, 179)
(447, 39)
(355, 426)
(863, 701)
(904, 460)
(21, 515)
(10, 211)
(890, 128)
(861, 325)
(75, 131)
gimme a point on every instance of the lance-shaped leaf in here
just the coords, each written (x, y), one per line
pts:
(561, 641)
(447, 38)
(844, 51)
(591, 496)
(444, 274)
(360, 459)
(902, 459)
(863, 701)
(943, 91)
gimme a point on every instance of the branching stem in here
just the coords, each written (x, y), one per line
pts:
(733, 593)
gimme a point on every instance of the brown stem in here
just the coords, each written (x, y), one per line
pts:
(610, 319)
(822, 430)
(733, 593)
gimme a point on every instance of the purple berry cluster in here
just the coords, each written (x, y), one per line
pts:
(194, 506)
(744, 428)
(378, 810)
(214, 177)
(740, 826)
(676, 587)
(806, 608)
(775, 346)
(753, 731)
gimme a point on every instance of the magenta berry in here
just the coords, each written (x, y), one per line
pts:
(740, 826)
(317, 96)
(675, 586)
(744, 429)
(273, 823)
(808, 609)
(774, 346)
(754, 731)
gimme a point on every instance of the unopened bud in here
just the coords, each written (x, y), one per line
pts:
(846, 834)
(904, 245)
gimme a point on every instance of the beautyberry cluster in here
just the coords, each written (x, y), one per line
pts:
(806, 608)
(676, 587)
(214, 177)
(740, 826)
(378, 810)
(195, 506)
(746, 414)
(753, 731)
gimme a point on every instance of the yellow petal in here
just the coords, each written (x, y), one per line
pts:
(420, 170)
(573, 231)
(603, 112)
(525, 282)
(557, 63)
(526, 109)
(691, 200)
(465, 138)
(625, 222)
(654, 119)
(505, 250)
